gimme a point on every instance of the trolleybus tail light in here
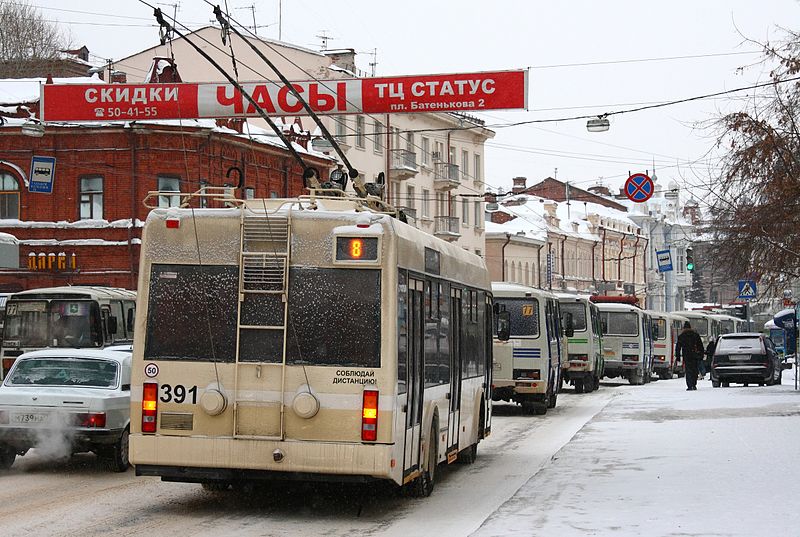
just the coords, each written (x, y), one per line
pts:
(92, 419)
(173, 223)
(149, 406)
(369, 416)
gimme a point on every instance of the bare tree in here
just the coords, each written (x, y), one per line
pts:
(755, 204)
(28, 42)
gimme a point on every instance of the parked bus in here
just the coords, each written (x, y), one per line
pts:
(665, 334)
(75, 317)
(627, 341)
(728, 324)
(527, 365)
(705, 324)
(312, 338)
(584, 367)
(3, 298)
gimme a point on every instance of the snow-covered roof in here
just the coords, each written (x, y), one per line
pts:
(26, 90)
(7, 238)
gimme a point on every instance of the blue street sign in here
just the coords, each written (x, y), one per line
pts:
(43, 173)
(747, 289)
(664, 259)
(639, 187)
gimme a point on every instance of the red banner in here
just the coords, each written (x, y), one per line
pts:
(404, 94)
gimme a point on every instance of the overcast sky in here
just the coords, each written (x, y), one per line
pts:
(549, 38)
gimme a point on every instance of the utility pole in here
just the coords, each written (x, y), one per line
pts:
(324, 37)
(280, 19)
(252, 9)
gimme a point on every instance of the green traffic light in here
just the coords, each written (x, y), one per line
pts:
(689, 266)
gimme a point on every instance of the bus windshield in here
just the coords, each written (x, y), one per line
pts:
(661, 328)
(58, 323)
(619, 323)
(524, 315)
(700, 325)
(578, 311)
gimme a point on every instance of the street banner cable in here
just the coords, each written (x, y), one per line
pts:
(498, 90)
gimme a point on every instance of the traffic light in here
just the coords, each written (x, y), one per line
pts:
(689, 259)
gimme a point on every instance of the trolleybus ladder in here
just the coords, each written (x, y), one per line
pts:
(264, 275)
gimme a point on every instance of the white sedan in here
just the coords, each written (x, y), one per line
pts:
(66, 401)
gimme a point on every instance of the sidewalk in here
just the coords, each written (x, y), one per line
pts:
(660, 461)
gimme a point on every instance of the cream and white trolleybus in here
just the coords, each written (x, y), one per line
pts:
(310, 338)
(528, 359)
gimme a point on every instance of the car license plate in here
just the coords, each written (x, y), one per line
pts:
(32, 418)
(739, 357)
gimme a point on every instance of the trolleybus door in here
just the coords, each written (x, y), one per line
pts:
(415, 381)
(456, 361)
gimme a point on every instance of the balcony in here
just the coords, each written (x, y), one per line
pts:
(446, 176)
(403, 164)
(446, 227)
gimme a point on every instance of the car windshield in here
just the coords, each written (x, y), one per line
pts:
(736, 344)
(64, 372)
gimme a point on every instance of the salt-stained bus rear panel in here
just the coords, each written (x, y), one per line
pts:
(302, 339)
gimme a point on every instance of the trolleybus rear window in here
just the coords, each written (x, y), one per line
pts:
(334, 317)
(524, 315)
(191, 313)
(661, 328)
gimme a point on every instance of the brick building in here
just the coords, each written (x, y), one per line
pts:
(88, 230)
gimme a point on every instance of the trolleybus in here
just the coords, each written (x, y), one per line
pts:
(309, 338)
(70, 316)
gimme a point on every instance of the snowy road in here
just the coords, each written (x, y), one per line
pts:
(78, 497)
(646, 460)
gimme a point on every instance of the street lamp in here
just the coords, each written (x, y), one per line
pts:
(599, 124)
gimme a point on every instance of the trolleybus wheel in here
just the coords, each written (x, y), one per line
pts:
(469, 455)
(422, 487)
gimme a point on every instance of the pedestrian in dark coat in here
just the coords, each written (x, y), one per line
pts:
(690, 346)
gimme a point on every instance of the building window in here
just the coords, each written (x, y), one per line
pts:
(91, 198)
(341, 129)
(410, 197)
(438, 152)
(680, 261)
(441, 204)
(465, 165)
(250, 193)
(426, 202)
(377, 138)
(476, 169)
(478, 214)
(360, 132)
(9, 196)
(426, 151)
(465, 211)
(451, 158)
(410, 142)
(169, 184)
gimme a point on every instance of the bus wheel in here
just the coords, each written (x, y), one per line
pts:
(579, 385)
(469, 455)
(551, 402)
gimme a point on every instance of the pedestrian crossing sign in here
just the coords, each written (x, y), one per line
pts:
(747, 289)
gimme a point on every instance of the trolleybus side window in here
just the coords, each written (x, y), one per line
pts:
(661, 328)
(480, 306)
(701, 325)
(191, 312)
(334, 317)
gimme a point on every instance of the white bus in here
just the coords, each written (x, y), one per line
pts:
(309, 338)
(627, 342)
(728, 324)
(584, 366)
(527, 365)
(664, 338)
(70, 316)
(705, 324)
